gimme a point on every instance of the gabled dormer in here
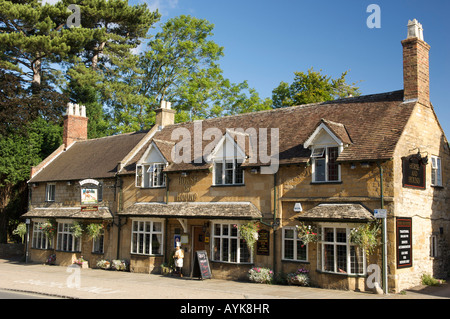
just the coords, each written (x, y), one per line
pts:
(150, 167)
(326, 142)
(227, 157)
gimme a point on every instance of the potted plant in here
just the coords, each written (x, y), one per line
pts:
(166, 269)
(51, 260)
(49, 229)
(299, 278)
(249, 232)
(81, 262)
(260, 275)
(103, 264)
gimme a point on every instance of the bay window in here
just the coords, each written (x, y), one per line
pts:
(227, 244)
(337, 255)
(147, 237)
(66, 241)
(40, 239)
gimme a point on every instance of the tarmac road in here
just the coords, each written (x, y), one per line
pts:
(73, 282)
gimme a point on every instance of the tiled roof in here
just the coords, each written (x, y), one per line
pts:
(370, 124)
(236, 210)
(95, 158)
(68, 212)
(337, 212)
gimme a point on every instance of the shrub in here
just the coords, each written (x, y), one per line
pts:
(103, 264)
(429, 280)
(260, 275)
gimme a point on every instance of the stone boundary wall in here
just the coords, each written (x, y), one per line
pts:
(11, 250)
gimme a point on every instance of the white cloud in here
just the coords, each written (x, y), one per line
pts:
(162, 5)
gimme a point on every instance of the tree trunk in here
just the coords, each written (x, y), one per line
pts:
(97, 52)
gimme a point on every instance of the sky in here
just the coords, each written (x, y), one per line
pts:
(265, 42)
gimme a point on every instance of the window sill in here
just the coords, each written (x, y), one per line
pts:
(340, 274)
(295, 261)
(231, 263)
(322, 183)
(437, 186)
(156, 187)
(145, 255)
(227, 185)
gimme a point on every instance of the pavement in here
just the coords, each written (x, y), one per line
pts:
(76, 283)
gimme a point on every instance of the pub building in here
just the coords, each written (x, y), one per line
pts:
(327, 165)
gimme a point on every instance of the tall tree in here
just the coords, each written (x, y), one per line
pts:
(312, 87)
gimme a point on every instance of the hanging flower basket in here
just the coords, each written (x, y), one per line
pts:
(94, 230)
(307, 233)
(49, 229)
(249, 232)
(365, 237)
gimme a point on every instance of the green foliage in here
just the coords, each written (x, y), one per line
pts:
(94, 230)
(77, 229)
(21, 231)
(307, 233)
(312, 87)
(365, 236)
(429, 280)
(249, 232)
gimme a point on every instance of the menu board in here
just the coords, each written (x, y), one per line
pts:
(404, 242)
(201, 266)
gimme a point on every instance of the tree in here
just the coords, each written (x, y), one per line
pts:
(181, 66)
(312, 87)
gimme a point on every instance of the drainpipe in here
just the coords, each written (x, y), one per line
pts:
(119, 203)
(384, 233)
(275, 175)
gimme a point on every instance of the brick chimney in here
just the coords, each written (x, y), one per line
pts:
(75, 124)
(165, 115)
(416, 69)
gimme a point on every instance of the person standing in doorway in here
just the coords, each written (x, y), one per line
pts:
(178, 257)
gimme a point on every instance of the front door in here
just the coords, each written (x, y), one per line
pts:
(198, 242)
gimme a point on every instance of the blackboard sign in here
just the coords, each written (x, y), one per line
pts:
(201, 265)
(413, 172)
(262, 245)
(404, 242)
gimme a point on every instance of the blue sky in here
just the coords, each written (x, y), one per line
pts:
(266, 41)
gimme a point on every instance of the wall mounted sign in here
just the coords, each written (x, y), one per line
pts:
(263, 243)
(413, 172)
(89, 194)
(404, 242)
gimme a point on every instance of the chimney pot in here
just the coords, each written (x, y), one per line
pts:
(75, 124)
(165, 115)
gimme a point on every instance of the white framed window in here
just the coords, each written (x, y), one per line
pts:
(436, 171)
(228, 172)
(228, 246)
(50, 192)
(147, 237)
(324, 165)
(150, 175)
(337, 255)
(98, 244)
(40, 239)
(293, 247)
(66, 241)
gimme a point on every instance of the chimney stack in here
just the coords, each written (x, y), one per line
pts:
(75, 124)
(416, 68)
(165, 115)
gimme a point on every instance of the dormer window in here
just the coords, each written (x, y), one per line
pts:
(150, 175)
(324, 166)
(228, 172)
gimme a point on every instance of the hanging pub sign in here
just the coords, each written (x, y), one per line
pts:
(413, 171)
(404, 242)
(89, 194)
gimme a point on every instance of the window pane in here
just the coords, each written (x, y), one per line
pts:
(301, 250)
(239, 174)
(341, 258)
(329, 257)
(356, 260)
(329, 234)
(225, 247)
(233, 250)
(333, 167)
(147, 244)
(156, 244)
(244, 252)
(216, 248)
(218, 173)
(157, 227)
(320, 170)
(229, 173)
(341, 235)
(225, 230)
(288, 233)
(217, 229)
(288, 249)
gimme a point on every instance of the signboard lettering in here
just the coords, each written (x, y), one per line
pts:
(413, 172)
(404, 242)
(263, 243)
